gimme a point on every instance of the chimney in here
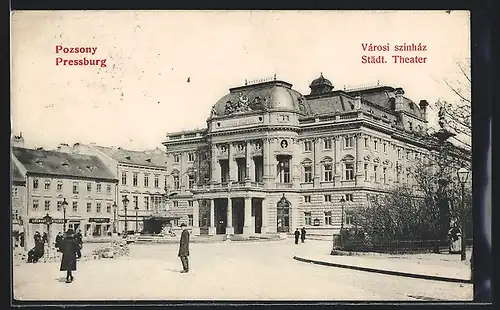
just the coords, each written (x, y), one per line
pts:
(17, 141)
(399, 92)
(423, 108)
(357, 103)
(64, 148)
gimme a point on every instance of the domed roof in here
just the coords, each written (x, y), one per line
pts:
(321, 81)
(275, 95)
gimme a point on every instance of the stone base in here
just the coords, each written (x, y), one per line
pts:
(195, 231)
(248, 230)
(211, 230)
(229, 230)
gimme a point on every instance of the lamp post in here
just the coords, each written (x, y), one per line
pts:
(48, 221)
(136, 208)
(114, 217)
(342, 204)
(463, 175)
(64, 205)
(125, 203)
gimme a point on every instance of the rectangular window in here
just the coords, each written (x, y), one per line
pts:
(384, 172)
(108, 189)
(15, 192)
(176, 182)
(59, 186)
(190, 203)
(328, 218)
(175, 204)
(157, 181)
(75, 188)
(366, 142)
(349, 171)
(307, 198)
(308, 177)
(98, 207)
(134, 179)
(35, 184)
(146, 180)
(47, 185)
(375, 169)
(47, 205)
(375, 145)
(166, 182)
(59, 206)
(176, 158)
(136, 202)
(327, 144)
(348, 142)
(35, 204)
(328, 198)
(108, 208)
(146, 202)
(190, 220)
(75, 206)
(410, 126)
(89, 187)
(190, 157)
(307, 218)
(385, 147)
(366, 172)
(89, 207)
(399, 153)
(349, 219)
(124, 178)
(349, 197)
(328, 172)
(98, 188)
(308, 146)
(191, 181)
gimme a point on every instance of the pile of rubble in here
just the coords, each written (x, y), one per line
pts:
(113, 250)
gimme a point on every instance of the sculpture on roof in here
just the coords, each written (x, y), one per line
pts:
(242, 105)
(442, 118)
(214, 111)
(302, 106)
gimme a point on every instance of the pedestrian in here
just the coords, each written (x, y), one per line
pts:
(37, 235)
(184, 248)
(37, 251)
(21, 239)
(297, 235)
(45, 237)
(59, 238)
(303, 234)
(70, 253)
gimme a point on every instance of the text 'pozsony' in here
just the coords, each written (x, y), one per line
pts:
(78, 61)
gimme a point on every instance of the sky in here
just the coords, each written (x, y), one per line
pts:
(143, 93)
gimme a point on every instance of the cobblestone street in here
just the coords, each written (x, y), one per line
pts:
(223, 271)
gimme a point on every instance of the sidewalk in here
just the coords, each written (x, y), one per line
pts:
(423, 266)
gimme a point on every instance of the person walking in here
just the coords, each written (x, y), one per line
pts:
(297, 235)
(303, 234)
(59, 238)
(37, 251)
(21, 239)
(45, 237)
(184, 249)
(70, 252)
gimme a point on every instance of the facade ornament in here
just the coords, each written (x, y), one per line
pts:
(376, 160)
(284, 144)
(241, 147)
(237, 107)
(367, 158)
(214, 111)
(386, 162)
(302, 106)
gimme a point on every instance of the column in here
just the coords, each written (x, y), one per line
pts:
(266, 159)
(211, 228)
(317, 165)
(229, 226)
(264, 217)
(232, 164)
(358, 158)
(196, 218)
(338, 163)
(250, 168)
(248, 228)
(215, 178)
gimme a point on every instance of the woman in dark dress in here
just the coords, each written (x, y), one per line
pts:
(70, 252)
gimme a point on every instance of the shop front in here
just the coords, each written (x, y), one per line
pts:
(98, 227)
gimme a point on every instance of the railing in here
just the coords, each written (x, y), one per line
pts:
(284, 185)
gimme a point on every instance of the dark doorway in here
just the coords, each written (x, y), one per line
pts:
(259, 168)
(238, 215)
(283, 212)
(257, 212)
(220, 216)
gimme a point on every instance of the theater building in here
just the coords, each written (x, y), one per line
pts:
(52, 178)
(272, 159)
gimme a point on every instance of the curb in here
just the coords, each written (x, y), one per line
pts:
(382, 271)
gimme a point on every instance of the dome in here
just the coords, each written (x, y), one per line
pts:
(269, 96)
(321, 81)
(320, 85)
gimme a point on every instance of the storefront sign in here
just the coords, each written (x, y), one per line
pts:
(99, 220)
(42, 221)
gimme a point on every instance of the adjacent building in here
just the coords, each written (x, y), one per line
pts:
(75, 188)
(18, 200)
(271, 159)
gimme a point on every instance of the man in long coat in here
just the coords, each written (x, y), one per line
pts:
(297, 235)
(184, 249)
(70, 252)
(303, 234)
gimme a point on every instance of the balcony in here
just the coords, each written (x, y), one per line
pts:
(224, 187)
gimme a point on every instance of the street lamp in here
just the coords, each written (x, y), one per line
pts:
(125, 203)
(136, 208)
(463, 175)
(114, 216)
(342, 204)
(64, 205)
(47, 219)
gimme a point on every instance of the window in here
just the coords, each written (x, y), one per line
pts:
(134, 179)
(328, 198)
(328, 172)
(35, 184)
(75, 188)
(75, 206)
(349, 171)
(35, 204)
(15, 192)
(366, 142)
(59, 206)
(47, 185)
(349, 219)
(190, 203)
(98, 188)
(176, 158)
(124, 178)
(307, 218)
(176, 182)
(108, 208)
(375, 145)
(108, 189)
(349, 197)
(157, 181)
(190, 220)
(146, 202)
(366, 172)
(59, 186)
(307, 198)
(166, 181)
(47, 205)
(89, 187)
(176, 204)
(384, 172)
(89, 207)
(385, 147)
(375, 169)
(327, 144)
(98, 207)
(308, 146)
(410, 126)
(328, 218)
(348, 142)
(136, 202)
(146, 180)
(190, 156)
(191, 181)
(399, 153)
(408, 155)
(308, 178)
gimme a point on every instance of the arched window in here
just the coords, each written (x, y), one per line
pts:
(283, 215)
